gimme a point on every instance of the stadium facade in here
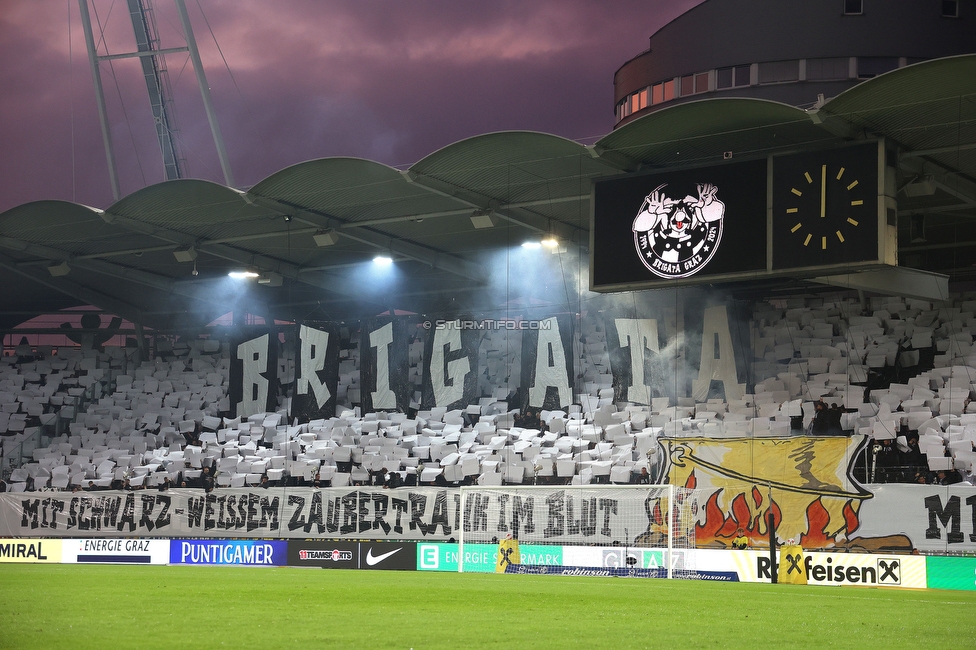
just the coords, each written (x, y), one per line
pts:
(791, 51)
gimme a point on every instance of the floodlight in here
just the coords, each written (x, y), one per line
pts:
(482, 219)
(325, 238)
(243, 275)
(59, 270)
(271, 279)
(185, 254)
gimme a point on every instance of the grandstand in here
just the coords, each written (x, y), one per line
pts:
(80, 417)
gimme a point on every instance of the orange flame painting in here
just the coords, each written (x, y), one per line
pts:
(804, 482)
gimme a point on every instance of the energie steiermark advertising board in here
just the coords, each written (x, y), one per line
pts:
(481, 558)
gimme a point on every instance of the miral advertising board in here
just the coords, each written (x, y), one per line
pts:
(30, 550)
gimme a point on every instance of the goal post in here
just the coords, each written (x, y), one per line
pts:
(628, 529)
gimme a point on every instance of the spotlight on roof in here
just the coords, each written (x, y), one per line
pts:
(325, 237)
(59, 270)
(482, 219)
(271, 279)
(531, 244)
(550, 242)
(382, 260)
(243, 275)
(924, 186)
(185, 254)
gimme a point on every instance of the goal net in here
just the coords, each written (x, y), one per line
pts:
(640, 530)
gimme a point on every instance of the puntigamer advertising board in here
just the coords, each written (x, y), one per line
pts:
(217, 551)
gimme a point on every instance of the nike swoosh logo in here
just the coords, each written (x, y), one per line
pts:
(376, 559)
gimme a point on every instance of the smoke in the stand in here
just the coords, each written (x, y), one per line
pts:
(214, 297)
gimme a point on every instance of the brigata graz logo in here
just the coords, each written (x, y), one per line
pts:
(675, 238)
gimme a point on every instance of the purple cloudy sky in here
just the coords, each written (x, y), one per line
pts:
(388, 81)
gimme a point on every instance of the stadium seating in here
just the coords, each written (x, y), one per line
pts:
(76, 417)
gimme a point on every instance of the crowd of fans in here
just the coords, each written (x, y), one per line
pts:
(901, 375)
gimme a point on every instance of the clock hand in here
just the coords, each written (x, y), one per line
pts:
(823, 191)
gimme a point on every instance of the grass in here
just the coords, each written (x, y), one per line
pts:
(65, 606)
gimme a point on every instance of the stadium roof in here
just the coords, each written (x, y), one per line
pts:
(528, 184)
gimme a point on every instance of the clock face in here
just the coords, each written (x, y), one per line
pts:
(825, 209)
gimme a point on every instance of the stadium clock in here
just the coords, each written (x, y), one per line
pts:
(825, 207)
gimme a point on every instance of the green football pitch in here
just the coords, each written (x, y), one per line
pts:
(187, 607)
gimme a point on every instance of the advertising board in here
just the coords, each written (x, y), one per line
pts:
(481, 558)
(951, 572)
(30, 550)
(115, 551)
(867, 569)
(242, 552)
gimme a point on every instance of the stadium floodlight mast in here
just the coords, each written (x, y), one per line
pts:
(157, 84)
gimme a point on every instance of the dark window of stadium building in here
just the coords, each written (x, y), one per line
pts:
(872, 66)
(693, 84)
(742, 74)
(835, 68)
(950, 8)
(701, 82)
(779, 71)
(723, 78)
(853, 7)
(732, 77)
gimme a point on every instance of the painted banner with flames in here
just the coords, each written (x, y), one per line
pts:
(805, 482)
